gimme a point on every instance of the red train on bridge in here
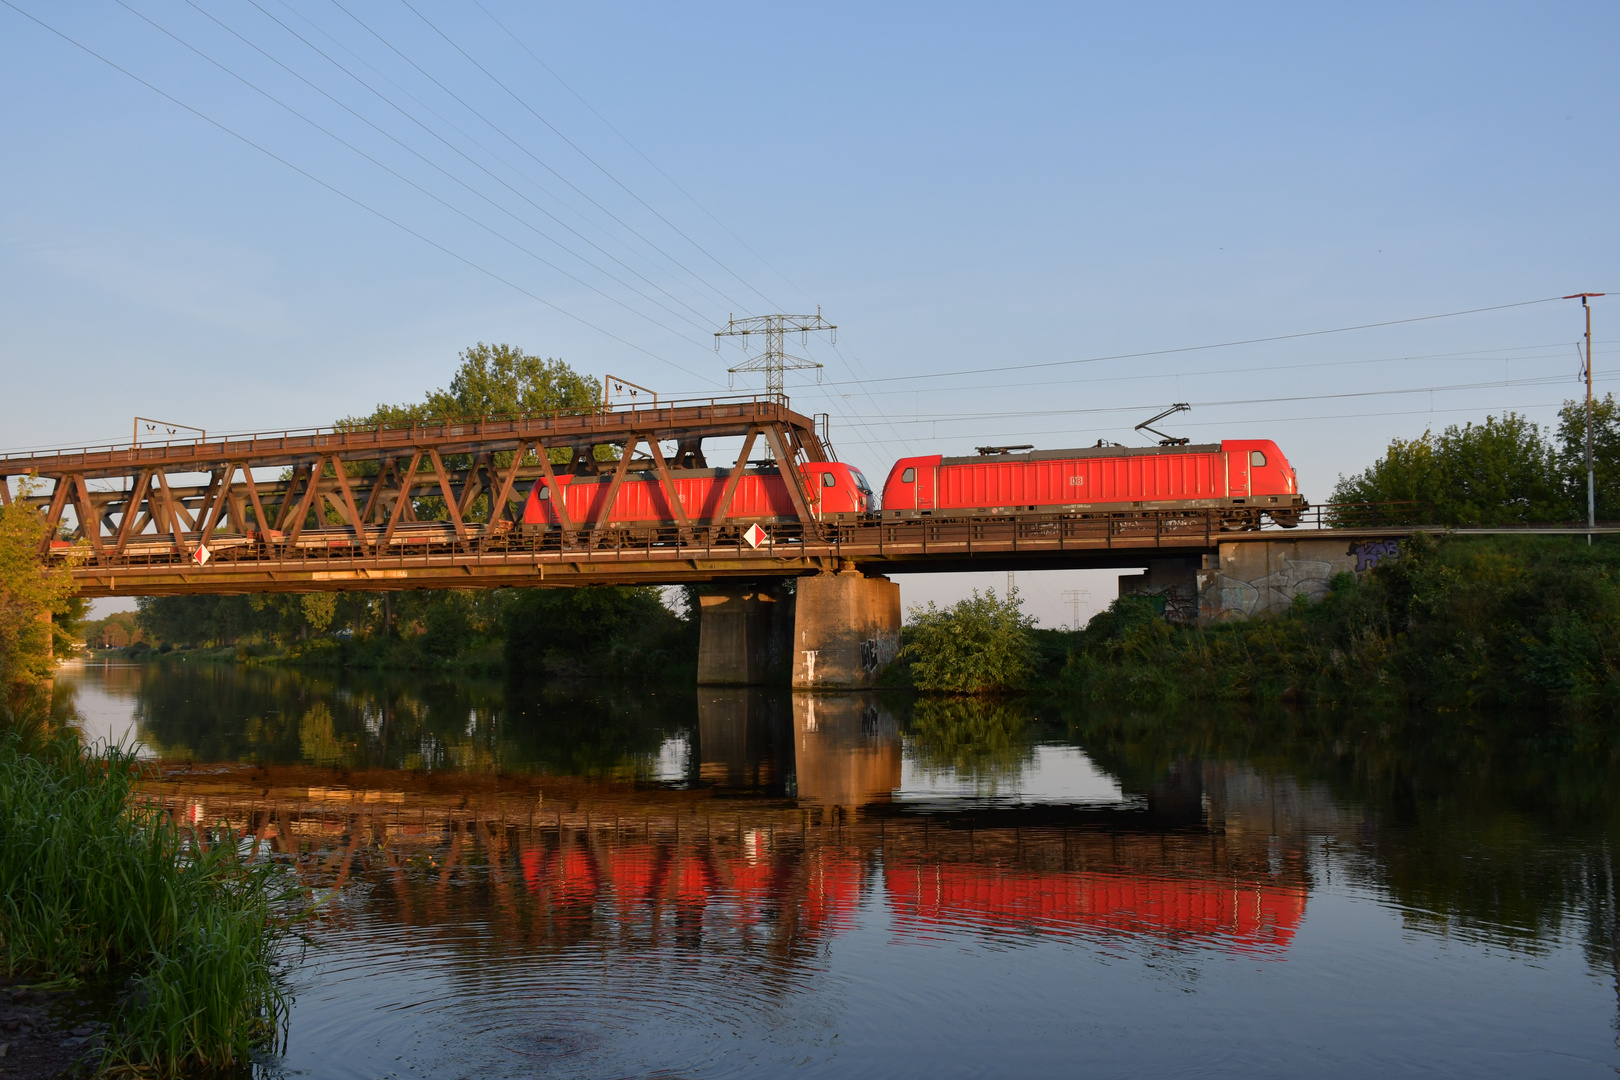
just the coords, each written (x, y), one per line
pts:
(1241, 479)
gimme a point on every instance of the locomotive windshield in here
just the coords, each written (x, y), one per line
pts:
(860, 481)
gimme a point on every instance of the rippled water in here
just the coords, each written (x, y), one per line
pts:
(597, 882)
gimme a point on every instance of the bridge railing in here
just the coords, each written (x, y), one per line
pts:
(472, 428)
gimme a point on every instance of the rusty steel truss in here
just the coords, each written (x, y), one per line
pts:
(377, 493)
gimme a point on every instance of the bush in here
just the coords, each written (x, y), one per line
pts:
(980, 645)
(1499, 622)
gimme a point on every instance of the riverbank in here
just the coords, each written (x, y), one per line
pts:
(1459, 624)
(161, 920)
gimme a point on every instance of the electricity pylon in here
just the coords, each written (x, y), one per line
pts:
(1074, 596)
(775, 360)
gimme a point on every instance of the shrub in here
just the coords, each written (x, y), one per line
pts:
(980, 645)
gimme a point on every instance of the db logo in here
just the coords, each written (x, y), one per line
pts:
(1076, 481)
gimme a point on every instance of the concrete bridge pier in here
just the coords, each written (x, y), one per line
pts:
(746, 633)
(835, 631)
(846, 630)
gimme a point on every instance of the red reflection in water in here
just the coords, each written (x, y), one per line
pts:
(1249, 917)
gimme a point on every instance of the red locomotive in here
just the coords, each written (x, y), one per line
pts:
(837, 493)
(1240, 478)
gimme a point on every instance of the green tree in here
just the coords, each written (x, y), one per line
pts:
(980, 645)
(494, 380)
(597, 630)
(1571, 456)
(31, 590)
(1499, 472)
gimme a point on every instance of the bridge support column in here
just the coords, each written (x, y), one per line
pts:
(846, 630)
(745, 635)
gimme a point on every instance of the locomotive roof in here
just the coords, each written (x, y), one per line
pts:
(1086, 452)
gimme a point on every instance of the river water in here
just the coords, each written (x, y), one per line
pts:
(600, 881)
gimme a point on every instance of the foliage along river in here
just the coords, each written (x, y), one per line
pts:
(601, 882)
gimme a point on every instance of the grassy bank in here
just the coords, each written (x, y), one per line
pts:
(1490, 622)
(97, 889)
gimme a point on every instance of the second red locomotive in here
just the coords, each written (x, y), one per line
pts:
(1240, 478)
(837, 492)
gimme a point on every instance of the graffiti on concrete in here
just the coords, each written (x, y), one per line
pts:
(1276, 591)
(1369, 553)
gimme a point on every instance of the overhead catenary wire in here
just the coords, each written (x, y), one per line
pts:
(938, 418)
(599, 167)
(543, 164)
(706, 319)
(1211, 345)
(425, 160)
(1456, 356)
(380, 215)
(639, 153)
(1271, 420)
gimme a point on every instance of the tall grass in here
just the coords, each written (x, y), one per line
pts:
(95, 885)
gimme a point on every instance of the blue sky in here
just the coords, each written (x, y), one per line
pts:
(959, 188)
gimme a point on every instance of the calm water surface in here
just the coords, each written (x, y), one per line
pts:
(601, 882)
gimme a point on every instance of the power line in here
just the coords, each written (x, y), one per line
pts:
(411, 150)
(702, 321)
(577, 149)
(1212, 345)
(1471, 354)
(959, 417)
(673, 183)
(582, 153)
(343, 194)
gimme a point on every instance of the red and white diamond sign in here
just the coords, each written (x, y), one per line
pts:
(754, 535)
(201, 555)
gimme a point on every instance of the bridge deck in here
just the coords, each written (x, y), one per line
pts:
(670, 556)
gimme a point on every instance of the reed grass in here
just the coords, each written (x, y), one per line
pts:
(96, 885)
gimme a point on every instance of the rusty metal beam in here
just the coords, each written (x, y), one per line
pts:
(558, 499)
(312, 486)
(53, 515)
(449, 495)
(789, 466)
(348, 503)
(89, 519)
(732, 480)
(406, 482)
(498, 506)
(132, 508)
(668, 481)
(605, 514)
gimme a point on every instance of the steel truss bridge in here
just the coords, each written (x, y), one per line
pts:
(437, 505)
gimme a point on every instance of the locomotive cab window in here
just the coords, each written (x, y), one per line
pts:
(909, 476)
(545, 493)
(1257, 458)
(829, 480)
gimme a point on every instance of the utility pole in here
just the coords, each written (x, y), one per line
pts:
(1591, 470)
(775, 360)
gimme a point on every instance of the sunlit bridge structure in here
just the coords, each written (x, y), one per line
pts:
(440, 505)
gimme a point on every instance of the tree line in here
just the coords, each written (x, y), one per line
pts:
(1504, 471)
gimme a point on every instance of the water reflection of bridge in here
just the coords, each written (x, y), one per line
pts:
(562, 859)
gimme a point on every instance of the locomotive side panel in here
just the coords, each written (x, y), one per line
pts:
(996, 484)
(642, 498)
